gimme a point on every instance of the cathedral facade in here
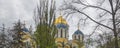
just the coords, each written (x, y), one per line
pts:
(62, 35)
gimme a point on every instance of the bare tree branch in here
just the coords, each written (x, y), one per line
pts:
(94, 7)
(92, 19)
(114, 6)
(117, 5)
(94, 30)
(118, 23)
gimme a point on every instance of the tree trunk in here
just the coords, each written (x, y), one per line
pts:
(115, 32)
(116, 42)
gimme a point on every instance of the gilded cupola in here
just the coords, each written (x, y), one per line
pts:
(60, 20)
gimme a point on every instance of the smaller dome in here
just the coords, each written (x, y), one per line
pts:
(25, 29)
(78, 32)
(61, 26)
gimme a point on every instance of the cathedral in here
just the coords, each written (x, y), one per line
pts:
(62, 35)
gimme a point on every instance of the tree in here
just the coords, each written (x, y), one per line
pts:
(105, 41)
(110, 15)
(45, 28)
(17, 29)
(3, 37)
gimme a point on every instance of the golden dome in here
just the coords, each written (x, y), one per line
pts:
(60, 20)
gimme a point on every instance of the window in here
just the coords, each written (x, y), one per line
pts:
(75, 36)
(65, 34)
(61, 33)
(57, 34)
(79, 37)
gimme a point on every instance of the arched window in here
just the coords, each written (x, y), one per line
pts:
(75, 36)
(61, 33)
(79, 37)
(65, 34)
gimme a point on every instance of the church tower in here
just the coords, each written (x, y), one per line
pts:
(78, 37)
(62, 33)
(62, 28)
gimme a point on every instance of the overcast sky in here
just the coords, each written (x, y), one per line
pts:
(13, 10)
